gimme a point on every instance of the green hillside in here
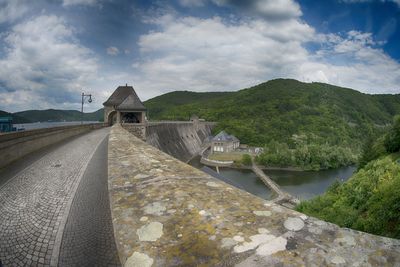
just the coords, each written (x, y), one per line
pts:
(296, 122)
(370, 200)
(164, 106)
(59, 115)
(16, 118)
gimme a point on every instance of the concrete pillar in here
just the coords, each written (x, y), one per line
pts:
(118, 117)
(143, 120)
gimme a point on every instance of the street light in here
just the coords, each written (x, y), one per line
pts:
(83, 101)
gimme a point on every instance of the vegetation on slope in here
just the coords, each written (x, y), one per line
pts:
(16, 119)
(370, 200)
(59, 115)
(307, 125)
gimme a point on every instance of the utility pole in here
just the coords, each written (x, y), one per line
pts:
(83, 101)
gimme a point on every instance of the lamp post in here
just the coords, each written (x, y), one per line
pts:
(83, 101)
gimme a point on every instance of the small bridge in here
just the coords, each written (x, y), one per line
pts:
(57, 189)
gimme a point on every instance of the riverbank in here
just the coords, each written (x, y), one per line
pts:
(303, 185)
(280, 196)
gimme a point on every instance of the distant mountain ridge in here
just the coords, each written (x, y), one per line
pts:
(28, 116)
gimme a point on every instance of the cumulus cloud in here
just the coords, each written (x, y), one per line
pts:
(79, 2)
(112, 50)
(192, 3)
(268, 9)
(213, 54)
(44, 65)
(366, 1)
(11, 10)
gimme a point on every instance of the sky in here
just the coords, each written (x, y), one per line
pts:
(53, 50)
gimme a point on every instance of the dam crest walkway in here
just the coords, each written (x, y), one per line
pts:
(55, 211)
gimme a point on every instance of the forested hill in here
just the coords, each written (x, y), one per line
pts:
(169, 105)
(16, 118)
(370, 200)
(58, 115)
(288, 114)
(277, 109)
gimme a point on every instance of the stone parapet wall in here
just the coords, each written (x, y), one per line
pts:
(167, 213)
(15, 145)
(137, 129)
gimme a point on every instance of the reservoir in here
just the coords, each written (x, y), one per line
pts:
(308, 184)
(301, 184)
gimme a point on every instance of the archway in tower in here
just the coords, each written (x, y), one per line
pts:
(112, 118)
(130, 117)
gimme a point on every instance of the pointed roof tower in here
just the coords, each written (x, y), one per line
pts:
(125, 98)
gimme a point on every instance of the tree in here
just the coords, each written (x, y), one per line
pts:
(392, 138)
(246, 159)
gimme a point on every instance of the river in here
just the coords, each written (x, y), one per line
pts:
(301, 184)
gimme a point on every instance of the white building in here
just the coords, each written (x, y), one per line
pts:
(224, 142)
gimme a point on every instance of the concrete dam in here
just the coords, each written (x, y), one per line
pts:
(182, 140)
(107, 198)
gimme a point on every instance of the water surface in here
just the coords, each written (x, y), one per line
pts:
(307, 184)
(243, 179)
(301, 184)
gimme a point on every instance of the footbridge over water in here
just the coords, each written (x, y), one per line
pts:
(103, 197)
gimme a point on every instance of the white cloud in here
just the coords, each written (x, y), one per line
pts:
(11, 10)
(79, 2)
(192, 3)
(268, 9)
(112, 50)
(44, 65)
(366, 1)
(212, 54)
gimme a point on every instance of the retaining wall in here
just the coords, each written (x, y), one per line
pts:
(167, 213)
(15, 145)
(181, 140)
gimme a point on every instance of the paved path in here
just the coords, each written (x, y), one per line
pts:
(88, 238)
(34, 204)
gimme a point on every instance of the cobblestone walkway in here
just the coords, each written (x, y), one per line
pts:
(35, 202)
(88, 238)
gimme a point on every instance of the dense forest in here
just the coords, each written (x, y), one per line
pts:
(305, 125)
(370, 200)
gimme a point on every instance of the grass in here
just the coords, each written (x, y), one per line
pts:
(234, 156)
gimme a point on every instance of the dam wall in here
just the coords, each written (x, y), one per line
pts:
(15, 145)
(167, 213)
(182, 140)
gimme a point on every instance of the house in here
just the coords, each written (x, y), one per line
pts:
(124, 106)
(224, 143)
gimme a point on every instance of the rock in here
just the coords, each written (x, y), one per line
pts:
(294, 224)
(156, 208)
(271, 247)
(265, 213)
(150, 232)
(139, 260)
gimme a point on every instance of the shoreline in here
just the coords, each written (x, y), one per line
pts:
(267, 168)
